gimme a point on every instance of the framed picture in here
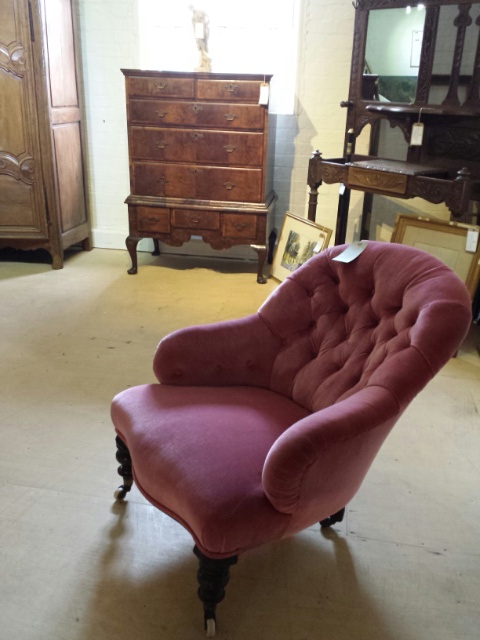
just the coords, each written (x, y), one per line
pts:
(299, 240)
(453, 243)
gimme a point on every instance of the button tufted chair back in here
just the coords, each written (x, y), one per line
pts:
(392, 317)
(262, 426)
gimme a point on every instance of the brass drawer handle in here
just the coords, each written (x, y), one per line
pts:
(230, 116)
(194, 220)
(231, 87)
(197, 136)
(239, 226)
(149, 222)
(196, 108)
(160, 85)
(162, 179)
(229, 185)
(162, 145)
(229, 148)
(161, 114)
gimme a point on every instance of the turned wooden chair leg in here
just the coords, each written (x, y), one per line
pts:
(213, 576)
(337, 517)
(124, 470)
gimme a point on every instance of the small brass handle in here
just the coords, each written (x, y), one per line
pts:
(160, 85)
(162, 145)
(150, 221)
(230, 116)
(231, 87)
(194, 220)
(161, 114)
(162, 179)
(239, 226)
(229, 185)
(196, 108)
(229, 148)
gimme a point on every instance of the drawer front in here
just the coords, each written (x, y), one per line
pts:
(239, 226)
(161, 87)
(203, 146)
(152, 220)
(229, 90)
(196, 219)
(191, 181)
(197, 114)
(378, 180)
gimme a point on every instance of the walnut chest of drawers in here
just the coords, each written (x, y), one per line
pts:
(199, 161)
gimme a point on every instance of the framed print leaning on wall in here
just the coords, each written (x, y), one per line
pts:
(453, 243)
(300, 239)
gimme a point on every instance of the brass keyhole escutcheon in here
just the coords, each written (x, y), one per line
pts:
(229, 185)
(231, 87)
(230, 117)
(160, 85)
(229, 148)
(161, 114)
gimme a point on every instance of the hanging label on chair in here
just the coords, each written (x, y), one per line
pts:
(352, 251)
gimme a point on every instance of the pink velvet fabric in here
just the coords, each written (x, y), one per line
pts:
(261, 426)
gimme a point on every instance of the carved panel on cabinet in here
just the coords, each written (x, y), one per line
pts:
(12, 58)
(21, 168)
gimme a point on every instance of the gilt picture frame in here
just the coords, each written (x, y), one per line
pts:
(300, 239)
(447, 241)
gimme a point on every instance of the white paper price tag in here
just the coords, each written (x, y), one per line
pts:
(352, 251)
(341, 190)
(264, 93)
(417, 134)
(472, 240)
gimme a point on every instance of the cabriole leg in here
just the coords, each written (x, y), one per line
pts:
(124, 470)
(213, 576)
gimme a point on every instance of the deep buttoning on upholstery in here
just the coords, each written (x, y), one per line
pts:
(333, 328)
(261, 426)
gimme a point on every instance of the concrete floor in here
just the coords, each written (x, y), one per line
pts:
(404, 565)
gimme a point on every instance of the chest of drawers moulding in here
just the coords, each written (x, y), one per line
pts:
(201, 159)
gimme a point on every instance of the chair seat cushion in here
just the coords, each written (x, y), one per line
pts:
(198, 455)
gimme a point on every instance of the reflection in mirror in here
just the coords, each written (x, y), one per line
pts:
(446, 43)
(394, 44)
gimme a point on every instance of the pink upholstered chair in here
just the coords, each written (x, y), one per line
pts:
(262, 426)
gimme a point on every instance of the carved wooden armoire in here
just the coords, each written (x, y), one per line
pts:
(42, 191)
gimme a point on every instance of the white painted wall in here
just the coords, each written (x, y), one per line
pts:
(108, 41)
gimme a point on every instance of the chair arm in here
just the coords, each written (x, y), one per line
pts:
(233, 352)
(317, 465)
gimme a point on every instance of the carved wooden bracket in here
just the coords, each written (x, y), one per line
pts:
(12, 59)
(21, 167)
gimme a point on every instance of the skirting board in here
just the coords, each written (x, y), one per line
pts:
(103, 239)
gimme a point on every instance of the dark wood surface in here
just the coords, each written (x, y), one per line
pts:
(450, 152)
(198, 151)
(42, 191)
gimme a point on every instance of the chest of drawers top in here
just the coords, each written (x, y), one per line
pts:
(177, 85)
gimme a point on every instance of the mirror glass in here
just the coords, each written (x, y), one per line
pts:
(392, 54)
(445, 50)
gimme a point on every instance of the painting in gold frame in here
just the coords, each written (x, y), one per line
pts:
(300, 239)
(447, 241)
